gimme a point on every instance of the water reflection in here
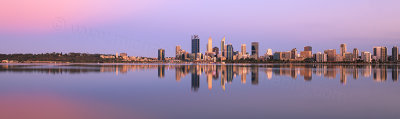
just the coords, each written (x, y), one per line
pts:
(227, 73)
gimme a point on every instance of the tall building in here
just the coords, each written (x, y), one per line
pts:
(243, 48)
(293, 53)
(343, 49)
(269, 52)
(161, 54)
(320, 57)
(254, 50)
(195, 44)
(366, 56)
(331, 55)
(355, 53)
(308, 48)
(380, 54)
(229, 52)
(395, 53)
(216, 51)
(209, 45)
(223, 47)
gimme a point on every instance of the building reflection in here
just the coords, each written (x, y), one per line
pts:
(226, 74)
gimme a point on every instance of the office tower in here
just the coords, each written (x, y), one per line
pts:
(161, 54)
(308, 48)
(216, 51)
(343, 49)
(380, 54)
(243, 48)
(178, 52)
(395, 53)
(293, 53)
(229, 52)
(321, 57)
(366, 56)
(331, 55)
(223, 47)
(195, 44)
(254, 50)
(355, 53)
(116, 55)
(209, 45)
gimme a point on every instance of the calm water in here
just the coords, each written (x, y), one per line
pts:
(199, 91)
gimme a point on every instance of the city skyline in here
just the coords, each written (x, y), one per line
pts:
(71, 26)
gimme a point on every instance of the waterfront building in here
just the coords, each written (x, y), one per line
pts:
(321, 57)
(243, 49)
(331, 55)
(209, 45)
(229, 52)
(348, 57)
(293, 53)
(216, 51)
(356, 54)
(223, 47)
(395, 53)
(366, 56)
(308, 48)
(343, 49)
(254, 50)
(380, 54)
(161, 54)
(195, 44)
(306, 54)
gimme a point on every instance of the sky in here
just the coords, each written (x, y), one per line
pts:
(141, 27)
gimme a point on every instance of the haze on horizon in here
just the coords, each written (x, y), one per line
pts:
(140, 27)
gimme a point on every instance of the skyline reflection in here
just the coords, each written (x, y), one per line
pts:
(229, 73)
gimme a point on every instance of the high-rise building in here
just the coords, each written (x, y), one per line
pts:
(209, 45)
(308, 48)
(355, 53)
(269, 52)
(223, 47)
(380, 54)
(331, 55)
(343, 49)
(293, 53)
(216, 51)
(195, 44)
(254, 50)
(161, 54)
(243, 48)
(321, 57)
(306, 54)
(229, 52)
(395, 53)
(366, 56)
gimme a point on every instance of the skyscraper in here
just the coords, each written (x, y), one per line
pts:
(343, 49)
(331, 55)
(229, 52)
(161, 54)
(355, 53)
(223, 47)
(195, 44)
(209, 45)
(308, 48)
(254, 50)
(366, 56)
(243, 48)
(293, 53)
(395, 53)
(380, 54)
